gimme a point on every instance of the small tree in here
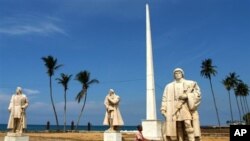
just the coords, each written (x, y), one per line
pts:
(226, 84)
(64, 80)
(51, 64)
(230, 82)
(207, 70)
(246, 118)
(84, 78)
(242, 90)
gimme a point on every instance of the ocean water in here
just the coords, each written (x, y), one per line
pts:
(37, 128)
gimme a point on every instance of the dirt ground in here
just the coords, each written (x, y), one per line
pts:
(98, 136)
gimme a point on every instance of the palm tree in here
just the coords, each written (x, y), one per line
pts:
(244, 95)
(84, 78)
(207, 69)
(64, 81)
(230, 82)
(51, 64)
(242, 89)
(226, 83)
(246, 118)
(246, 103)
(233, 82)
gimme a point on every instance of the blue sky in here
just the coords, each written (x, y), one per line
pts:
(107, 38)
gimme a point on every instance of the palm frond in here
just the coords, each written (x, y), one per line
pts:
(242, 89)
(51, 64)
(226, 83)
(93, 81)
(64, 80)
(207, 69)
(80, 96)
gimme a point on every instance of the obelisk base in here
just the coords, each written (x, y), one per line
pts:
(152, 129)
(16, 137)
(112, 136)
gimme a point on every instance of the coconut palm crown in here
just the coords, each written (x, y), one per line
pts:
(51, 64)
(84, 78)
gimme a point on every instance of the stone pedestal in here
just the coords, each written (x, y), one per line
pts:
(16, 137)
(152, 129)
(112, 136)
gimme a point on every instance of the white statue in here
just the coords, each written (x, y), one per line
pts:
(180, 101)
(113, 116)
(17, 107)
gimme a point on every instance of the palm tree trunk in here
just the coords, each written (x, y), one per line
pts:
(238, 106)
(232, 119)
(244, 104)
(216, 109)
(245, 107)
(65, 111)
(243, 112)
(81, 110)
(51, 98)
(248, 122)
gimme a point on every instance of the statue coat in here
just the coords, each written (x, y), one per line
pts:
(111, 102)
(169, 103)
(15, 108)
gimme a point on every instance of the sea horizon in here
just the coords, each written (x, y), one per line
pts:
(40, 127)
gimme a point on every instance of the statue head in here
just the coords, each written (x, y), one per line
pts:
(111, 91)
(178, 70)
(18, 90)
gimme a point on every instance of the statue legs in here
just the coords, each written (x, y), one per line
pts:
(189, 130)
(180, 134)
(111, 128)
(17, 123)
(111, 125)
(185, 132)
(197, 138)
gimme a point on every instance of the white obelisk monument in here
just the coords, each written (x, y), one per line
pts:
(151, 126)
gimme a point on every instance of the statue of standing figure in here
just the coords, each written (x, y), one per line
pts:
(180, 102)
(18, 104)
(113, 116)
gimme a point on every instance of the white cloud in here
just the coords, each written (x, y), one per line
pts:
(44, 111)
(4, 103)
(90, 106)
(43, 28)
(30, 91)
(30, 25)
(39, 105)
(4, 98)
(73, 108)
